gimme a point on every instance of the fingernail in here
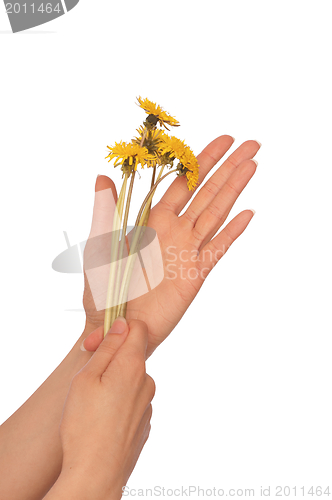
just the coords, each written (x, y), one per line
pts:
(255, 161)
(119, 325)
(82, 346)
(252, 210)
(259, 143)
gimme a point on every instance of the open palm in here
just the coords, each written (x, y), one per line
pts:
(188, 243)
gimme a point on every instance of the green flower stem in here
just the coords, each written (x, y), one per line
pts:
(114, 251)
(114, 314)
(153, 176)
(150, 194)
(161, 171)
(139, 231)
(144, 136)
(150, 202)
(140, 224)
(152, 184)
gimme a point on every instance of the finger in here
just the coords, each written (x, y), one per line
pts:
(93, 340)
(212, 187)
(104, 205)
(178, 194)
(98, 246)
(216, 212)
(133, 350)
(113, 340)
(216, 248)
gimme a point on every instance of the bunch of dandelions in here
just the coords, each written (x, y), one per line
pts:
(157, 150)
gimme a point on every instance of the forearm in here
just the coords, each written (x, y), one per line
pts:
(75, 486)
(30, 447)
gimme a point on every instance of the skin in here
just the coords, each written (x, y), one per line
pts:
(30, 440)
(96, 443)
(181, 237)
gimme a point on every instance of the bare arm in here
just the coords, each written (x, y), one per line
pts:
(30, 448)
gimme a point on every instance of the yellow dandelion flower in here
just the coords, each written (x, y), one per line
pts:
(189, 167)
(192, 176)
(144, 157)
(131, 154)
(152, 108)
(172, 145)
(151, 142)
(152, 138)
(122, 152)
(188, 157)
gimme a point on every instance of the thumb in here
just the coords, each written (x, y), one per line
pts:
(92, 341)
(104, 205)
(108, 346)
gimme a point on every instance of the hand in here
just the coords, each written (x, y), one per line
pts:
(106, 417)
(184, 236)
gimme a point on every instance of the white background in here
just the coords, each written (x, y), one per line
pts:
(244, 381)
